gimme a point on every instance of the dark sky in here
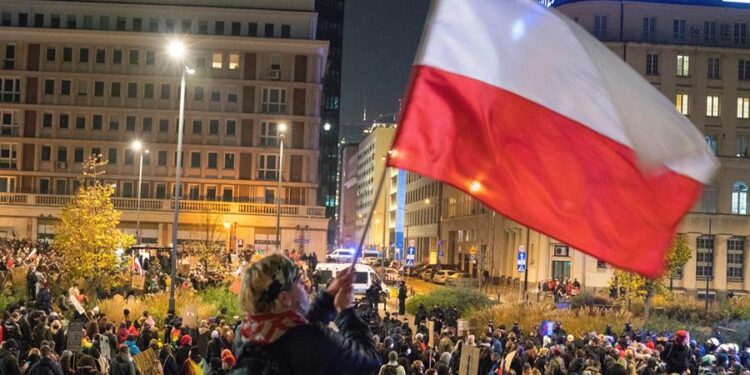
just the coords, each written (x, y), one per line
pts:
(380, 41)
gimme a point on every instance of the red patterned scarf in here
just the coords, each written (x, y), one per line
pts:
(264, 329)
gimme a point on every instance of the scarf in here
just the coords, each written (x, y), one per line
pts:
(265, 329)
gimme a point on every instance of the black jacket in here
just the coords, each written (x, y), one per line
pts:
(9, 363)
(46, 366)
(121, 365)
(314, 349)
(215, 346)
(201, 341)
(676, 358)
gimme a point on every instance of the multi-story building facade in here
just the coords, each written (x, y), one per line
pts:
(422, 219)
(83, 78)
(371, 154)
(698, 54)
(347, 216)
(331, 29)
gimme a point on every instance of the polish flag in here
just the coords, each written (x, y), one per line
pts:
(520, 107)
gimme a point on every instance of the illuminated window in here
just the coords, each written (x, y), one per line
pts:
(743, 107)
(712, 106)
(683, 66)
(739, 198)
(218, 62)
(682, 101)
(234, 61)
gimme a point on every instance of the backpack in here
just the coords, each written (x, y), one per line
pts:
(389, 370)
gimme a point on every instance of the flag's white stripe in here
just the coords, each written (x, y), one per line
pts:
(531, 51)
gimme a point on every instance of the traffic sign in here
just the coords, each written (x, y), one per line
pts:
(473, 250)
(521, 268)
(411, 253)
(410, 263)
(522, 256)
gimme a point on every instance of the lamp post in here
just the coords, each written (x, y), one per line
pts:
(281, 131)
(177, 51)
(137, 146)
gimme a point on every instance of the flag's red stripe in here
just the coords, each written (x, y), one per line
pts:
(541, 169)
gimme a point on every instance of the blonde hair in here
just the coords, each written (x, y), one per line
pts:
(259, 278)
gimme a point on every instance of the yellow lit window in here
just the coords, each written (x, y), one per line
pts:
(218, 62)
(234, 61)
(682, 101)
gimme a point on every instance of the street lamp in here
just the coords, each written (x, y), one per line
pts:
(177, 51)
(281, 131)
(137, 146)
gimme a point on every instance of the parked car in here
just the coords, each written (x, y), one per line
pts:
(427, 274)
(341, 255)
(460, 279)
(392, 276)
(417, 270)
(441, 276)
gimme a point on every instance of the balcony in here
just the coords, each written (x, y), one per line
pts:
(693, 36)
(167, 205)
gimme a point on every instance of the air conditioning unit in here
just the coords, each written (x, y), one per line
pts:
(561, 251)
(274, 74)
(61, 165)
(695, 31)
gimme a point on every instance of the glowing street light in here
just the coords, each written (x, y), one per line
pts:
(281, 131)
(137, 146)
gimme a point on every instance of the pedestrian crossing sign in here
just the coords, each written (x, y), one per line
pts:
(410, 262)
(521, 268)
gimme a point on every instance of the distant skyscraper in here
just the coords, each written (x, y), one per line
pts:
(330, 28)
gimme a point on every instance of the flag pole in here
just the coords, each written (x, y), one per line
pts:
(358, 250)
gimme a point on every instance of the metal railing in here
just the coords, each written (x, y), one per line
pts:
(17, 199)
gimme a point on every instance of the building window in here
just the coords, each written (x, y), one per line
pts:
(38, 20)
(269, 135)
(120, 24)
(601, 264)
(96, 122)
(46, 153)
(147, 124)
(198, 94)
(704, 256)
(744, 70)
(714, 68)
(712, 106)
(117, 56)
(268, 167)
(232, 98)
(10, 90)
(213, 127)
(739, 198)
(231, 127)
(82, 87)
(114, 123)
(98, 88)
(252, 29)
(215, 96)
(65, 87)
(213, 160)
(217, 62)
(229, 160)
(47, 120)
(153, 25)
(161, 191)
(81, 122)
(652, 64)
(735, 257)
(67, 54)
(273, 100)
(64, 121)
(197, 126)
(8, 156)
(268, 32)
(679, 29)
(148, 91)
(10, 57)
(137, 24)
(219, 28)
(234, 61)
(115, 90)
(54, 21)
(7, 184)
(740, 33)
(128, 156)
(711, 142)
(112, 156)
(195, 160)
(187, 25)
(150, 57)
(132, 90)
(163, 125)
(709, 30)
(743, 107)
(51, 54)
(203, 27)
(8, 123)
(49, 87)
(741, 146)
(649, 28)
(78, 155)
(708, 199)
(83, 55)
(133, 57)
(104, 23)
(211, 192)
(682, 101)
(165, 91)
(286, 31)
(600, 25)
(236, 28)
(162, 159)
(683, 66)
(130, 123)
(62, 154)
(127, 189)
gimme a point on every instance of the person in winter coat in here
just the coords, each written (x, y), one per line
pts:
(215, 346)
(420, 315)
(46, 365)
(402, 298)
(282, 331)
(392, 367)
(121, 364)
(168, 363)
(132, 347)
(677, 354)
(443, 365)
(9, 358)
(203, 338)
(183, 352)
(194, 365)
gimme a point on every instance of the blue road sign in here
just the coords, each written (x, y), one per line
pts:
(521, 255)
(411, 252)
(521, 268)
(410, 263)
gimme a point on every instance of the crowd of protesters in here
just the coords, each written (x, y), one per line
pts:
(560, 290)
(286, 331)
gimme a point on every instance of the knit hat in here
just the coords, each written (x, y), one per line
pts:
(229, 360)
(226, 353)
(186, 340)
(263, 281)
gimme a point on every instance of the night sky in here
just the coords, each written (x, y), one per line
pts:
(380, 41)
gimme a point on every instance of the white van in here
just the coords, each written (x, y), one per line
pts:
(341, 255)
(364, 275)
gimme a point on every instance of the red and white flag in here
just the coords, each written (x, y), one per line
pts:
(523, 109)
